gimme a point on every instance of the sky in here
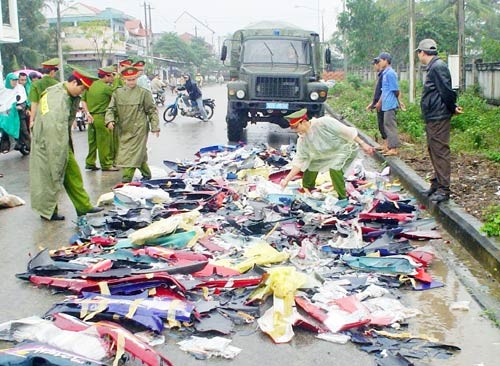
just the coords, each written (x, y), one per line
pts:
(226, 16)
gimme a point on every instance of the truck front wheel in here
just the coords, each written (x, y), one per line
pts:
(234, 128)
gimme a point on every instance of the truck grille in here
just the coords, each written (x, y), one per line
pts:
(277, 87)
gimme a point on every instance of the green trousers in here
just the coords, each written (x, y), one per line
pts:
(100, 141)
(73, 184)
(337, 177)
(128, 173)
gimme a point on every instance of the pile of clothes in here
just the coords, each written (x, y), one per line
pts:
(218, 245)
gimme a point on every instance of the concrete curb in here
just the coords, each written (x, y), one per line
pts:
(454, 219)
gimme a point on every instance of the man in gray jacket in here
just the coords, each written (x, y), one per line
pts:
(438, 105)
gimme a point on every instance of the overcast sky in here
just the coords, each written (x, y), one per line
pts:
(226, 16)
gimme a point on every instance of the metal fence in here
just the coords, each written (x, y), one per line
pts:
(484, 75)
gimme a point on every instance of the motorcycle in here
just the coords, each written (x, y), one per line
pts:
(159, 97)
(182, 105)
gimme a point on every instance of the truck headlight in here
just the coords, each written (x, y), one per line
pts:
(240, 94)
(314, 95)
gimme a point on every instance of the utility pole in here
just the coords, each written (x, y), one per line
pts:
(150, 44)
(59, 42)
(147, 31)
(461, 43)
(344, 42)
(411, 55)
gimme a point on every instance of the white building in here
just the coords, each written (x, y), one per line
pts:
(9, 27)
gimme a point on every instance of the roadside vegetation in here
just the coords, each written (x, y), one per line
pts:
(474, 133)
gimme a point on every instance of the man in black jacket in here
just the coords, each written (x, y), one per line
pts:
(438, 105)
(195, 95)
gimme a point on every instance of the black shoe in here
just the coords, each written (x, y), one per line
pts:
(429, 192)
(93, 168)
(95, 209)
(54, 217)
(440, 196)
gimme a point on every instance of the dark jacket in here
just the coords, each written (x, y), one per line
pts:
(438, 98)
(192, 89)
(378, 90)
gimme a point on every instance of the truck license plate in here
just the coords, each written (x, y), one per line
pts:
(276, 105)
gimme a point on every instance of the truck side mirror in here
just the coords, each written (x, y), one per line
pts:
(223, 53)
(328, 56)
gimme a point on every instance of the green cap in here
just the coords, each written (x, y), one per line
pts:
(296, 117)
(298, 114)
(107, 69)
(53, 63)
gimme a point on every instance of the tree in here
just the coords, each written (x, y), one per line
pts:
(102, 38)
(35, 45)
(172, 47)
(362, 23)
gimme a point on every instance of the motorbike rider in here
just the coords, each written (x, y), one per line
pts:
(157, 88)
(195, 95)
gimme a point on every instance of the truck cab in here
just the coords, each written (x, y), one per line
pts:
(274, 70)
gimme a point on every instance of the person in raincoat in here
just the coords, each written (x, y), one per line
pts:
(52, 162)
(323, 143)
(133, 112)
(95, 101)
(12, 122)
(49, 70)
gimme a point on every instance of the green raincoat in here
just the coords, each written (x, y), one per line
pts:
(327, 145)
(9, 120)
(52, 162)
(134, 114)
(39, 86)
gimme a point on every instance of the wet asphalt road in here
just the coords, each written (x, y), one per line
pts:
(22, 234)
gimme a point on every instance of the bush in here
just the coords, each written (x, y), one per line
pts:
(354, 80)
(492, 224)
(476, 130)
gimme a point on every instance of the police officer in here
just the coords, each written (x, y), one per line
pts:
(49, 70)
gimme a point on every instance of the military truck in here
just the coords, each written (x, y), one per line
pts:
(274, 70)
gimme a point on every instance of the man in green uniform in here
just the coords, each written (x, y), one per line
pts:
(52, 163)
(134, 114)
(49, 70)
(95, 101)
(323, 143)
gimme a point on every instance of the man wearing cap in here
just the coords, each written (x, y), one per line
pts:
(133, 112)
(95, 102)
(376, 96)
(49, 70)
(142, 80)
(195, 96)
(438, 104)
(323, 143)
(389, 103)
(52, 163)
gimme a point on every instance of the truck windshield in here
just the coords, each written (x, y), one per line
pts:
(276, 51)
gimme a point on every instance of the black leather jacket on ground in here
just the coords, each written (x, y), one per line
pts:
(438, 98)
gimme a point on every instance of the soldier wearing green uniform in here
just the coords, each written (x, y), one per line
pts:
(95, 101)
(49, 70)
(323, 144)
(134, 114)
(52, 163)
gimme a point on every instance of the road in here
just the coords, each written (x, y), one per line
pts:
(23, 234)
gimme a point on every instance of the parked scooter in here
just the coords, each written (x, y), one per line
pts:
(183, 106)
